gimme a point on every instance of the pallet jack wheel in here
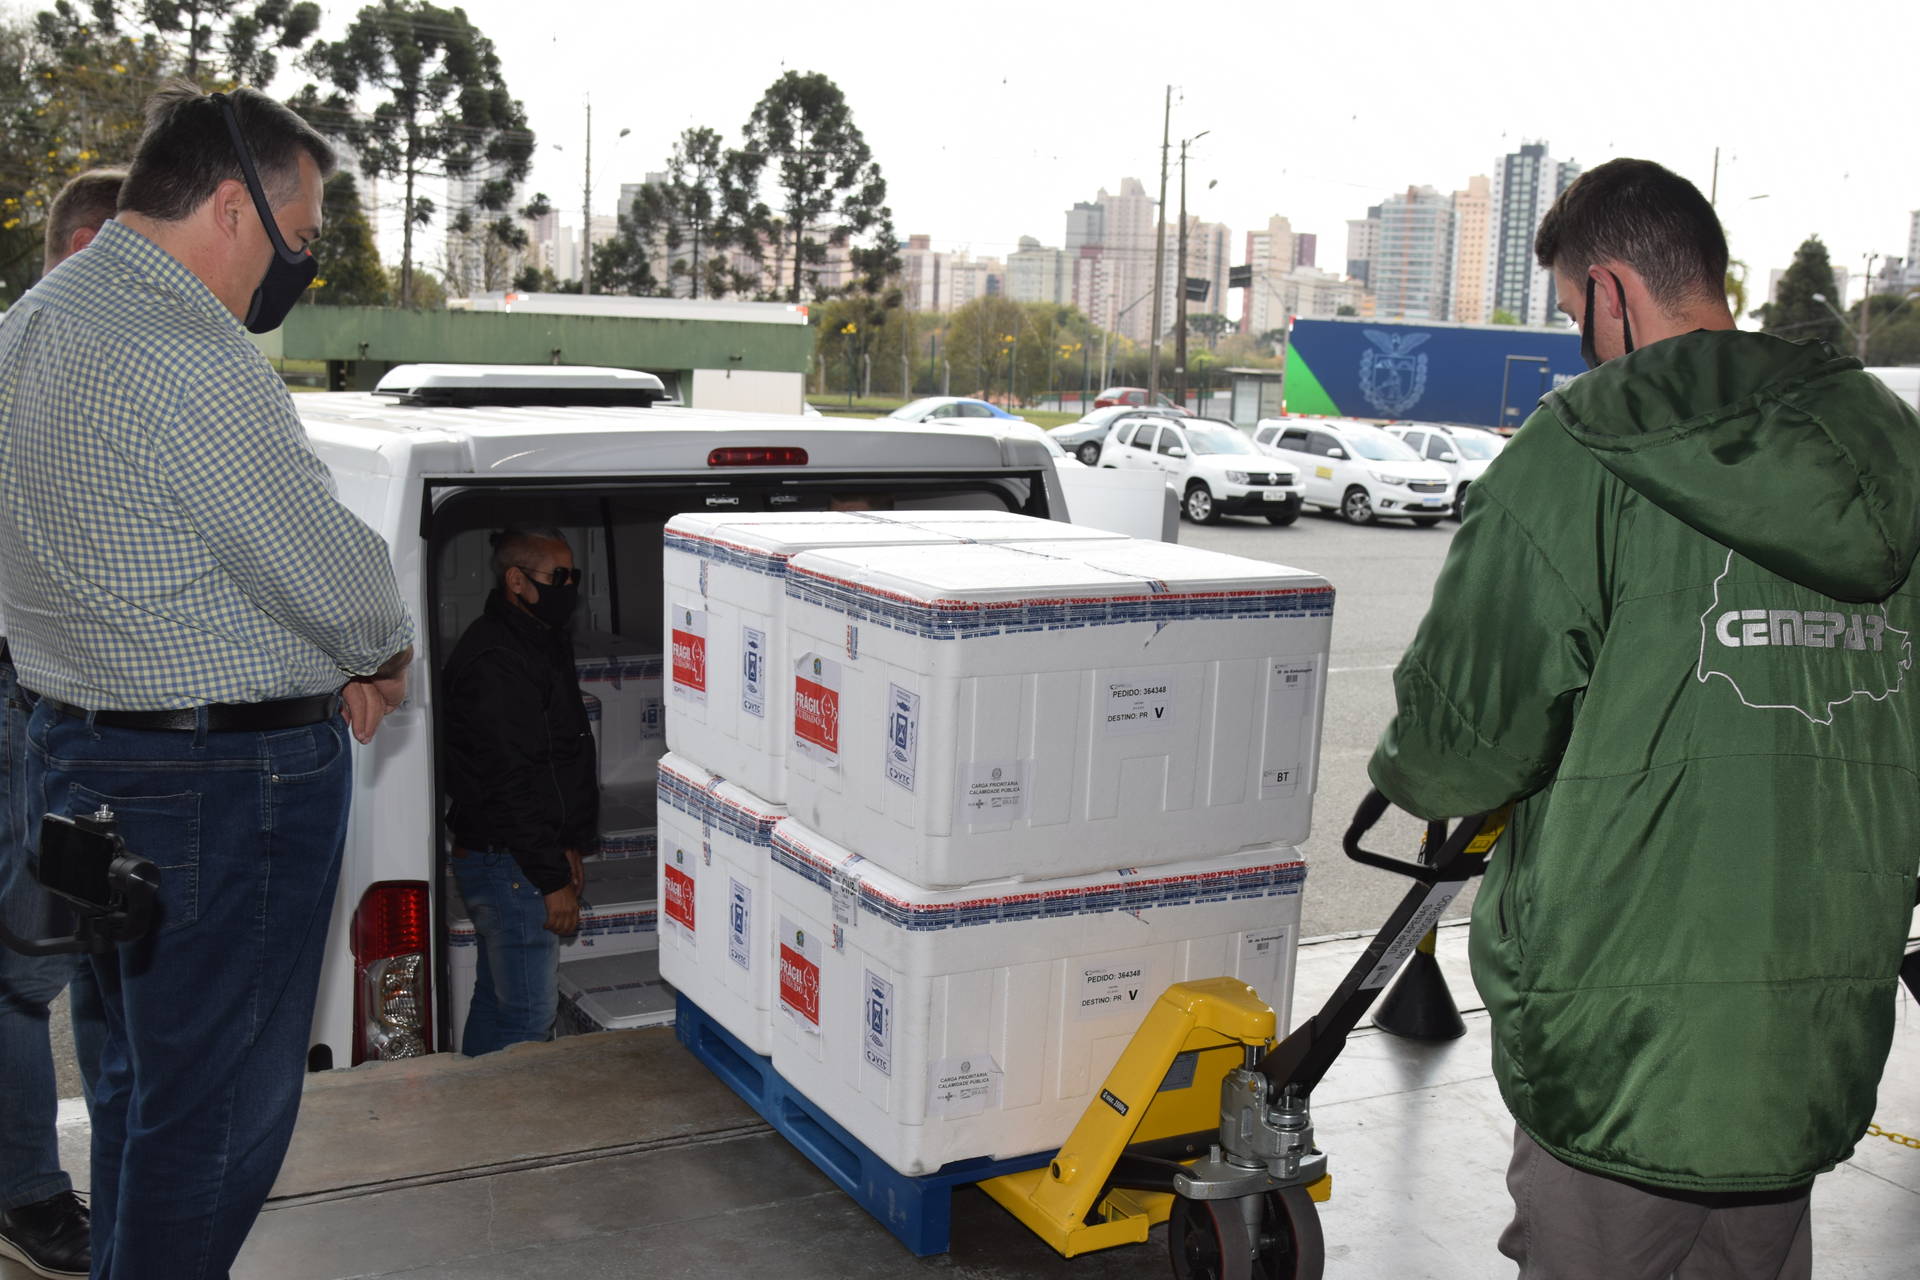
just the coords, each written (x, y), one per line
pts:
(1213, 1239)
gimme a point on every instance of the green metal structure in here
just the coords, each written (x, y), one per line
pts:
(359, 344)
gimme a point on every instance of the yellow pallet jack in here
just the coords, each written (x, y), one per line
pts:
(1229, 1161)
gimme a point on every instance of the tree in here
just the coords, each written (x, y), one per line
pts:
(1736, 287)
(1210, 326)
(980, 335)
(1345, 309)
(692, 217)
(1272, 340)
(231, 39)
(350, 274)
(444, 110)
(428, 293)
(1502, 316)
(1794, 313)
(1893, 328)
(826, 184)
(620, 264)
(541, 280)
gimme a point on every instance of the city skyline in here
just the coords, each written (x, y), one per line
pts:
(986, 150)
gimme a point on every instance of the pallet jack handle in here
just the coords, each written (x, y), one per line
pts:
(1451, 858)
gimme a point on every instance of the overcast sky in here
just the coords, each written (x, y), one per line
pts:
(989, 119)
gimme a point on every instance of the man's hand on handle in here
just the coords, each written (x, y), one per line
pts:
(367, 699)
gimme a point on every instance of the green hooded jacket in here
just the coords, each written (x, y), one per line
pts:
(1677, 626)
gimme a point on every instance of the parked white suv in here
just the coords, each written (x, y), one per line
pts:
(1465, 452)
(1357, 469)
(1216, 468)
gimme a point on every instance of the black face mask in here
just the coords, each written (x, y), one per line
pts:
(555, 604)
(1587, 350)
(289, 274)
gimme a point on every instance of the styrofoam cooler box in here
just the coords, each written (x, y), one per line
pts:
(976, 712)
(725, 629)
(993, 526)
(625, 677)
(946, 1025)
(729, 679)
(612, 993)
(592, 704)
(716, 931)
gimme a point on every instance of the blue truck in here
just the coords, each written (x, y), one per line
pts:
(1480, 375)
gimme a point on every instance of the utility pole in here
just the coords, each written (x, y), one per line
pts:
(586, 213)
(1866, 307)
(1713, 197)
(1159, 255)
(1180, 280)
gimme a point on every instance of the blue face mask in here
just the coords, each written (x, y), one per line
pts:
(290, 272)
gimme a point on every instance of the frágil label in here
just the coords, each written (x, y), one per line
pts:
(690, 654)
(816, 709)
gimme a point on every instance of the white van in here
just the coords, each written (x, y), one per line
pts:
(1357, 469)
(1464, 453)
(440, 456)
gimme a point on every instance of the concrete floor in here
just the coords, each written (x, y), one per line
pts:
(643, 1165)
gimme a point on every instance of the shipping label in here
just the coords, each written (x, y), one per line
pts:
(878, 1049)
(1115, 987)
(816, 709)
(846, 893)
(1138, 701)
(753, 671)
(990, 792)
(678, 892)
(690, 654)
(739, 922)
(1290, 703)
(800, 975)
(962, 1086)
(903, 736)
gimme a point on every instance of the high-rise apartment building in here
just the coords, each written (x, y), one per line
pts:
(1304, 246)
(1270, 257)
(1363, 239)
(1525, 185)
(1111, 242)
(1411, 266)
(1468, 300)
(1036, 273)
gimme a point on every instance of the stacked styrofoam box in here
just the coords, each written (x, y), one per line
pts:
(1042, 720)
(943, 1025)
(729, 675)
(625, 678)
(716, 939)
(974, 712)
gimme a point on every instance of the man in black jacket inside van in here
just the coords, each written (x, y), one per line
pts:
(521, 780)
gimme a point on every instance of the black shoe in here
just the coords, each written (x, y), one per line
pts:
(49, 1237)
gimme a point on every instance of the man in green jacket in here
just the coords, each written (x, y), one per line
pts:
(1677, 627)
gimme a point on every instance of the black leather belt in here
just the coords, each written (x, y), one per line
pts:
(222, 717)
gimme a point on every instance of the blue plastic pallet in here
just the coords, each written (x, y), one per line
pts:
(918, 1210)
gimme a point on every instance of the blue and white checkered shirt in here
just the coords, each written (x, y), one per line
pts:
(167, 535)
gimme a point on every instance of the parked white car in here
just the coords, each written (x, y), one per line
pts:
(1465, 452)
(1215, 467)
(1357, 469)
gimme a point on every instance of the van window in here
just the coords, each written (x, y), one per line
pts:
(1265, 435)
(1415, 440)
(1143, 435)
(1294, 438)
(970, 410)
(1320, 444)
(1170, 439)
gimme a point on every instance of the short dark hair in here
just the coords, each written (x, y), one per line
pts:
(512, 548)
(1652, 219)
(87, 200)
(187, 152)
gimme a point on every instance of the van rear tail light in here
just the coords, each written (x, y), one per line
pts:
(392, 990)
(758, 456)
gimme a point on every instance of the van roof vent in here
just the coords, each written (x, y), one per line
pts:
(520, 384)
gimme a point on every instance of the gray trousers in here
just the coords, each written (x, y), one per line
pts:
(1572, 1225)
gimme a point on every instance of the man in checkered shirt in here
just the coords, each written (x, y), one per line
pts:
(203, 624)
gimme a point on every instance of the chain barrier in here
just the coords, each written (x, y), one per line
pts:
(1875, 1131)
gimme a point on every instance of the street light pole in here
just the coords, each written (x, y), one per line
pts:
(1866, 307)
(1159, 254)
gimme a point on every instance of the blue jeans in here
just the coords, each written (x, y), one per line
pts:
(209, 1016)
(516, 985)
(29, 1148)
